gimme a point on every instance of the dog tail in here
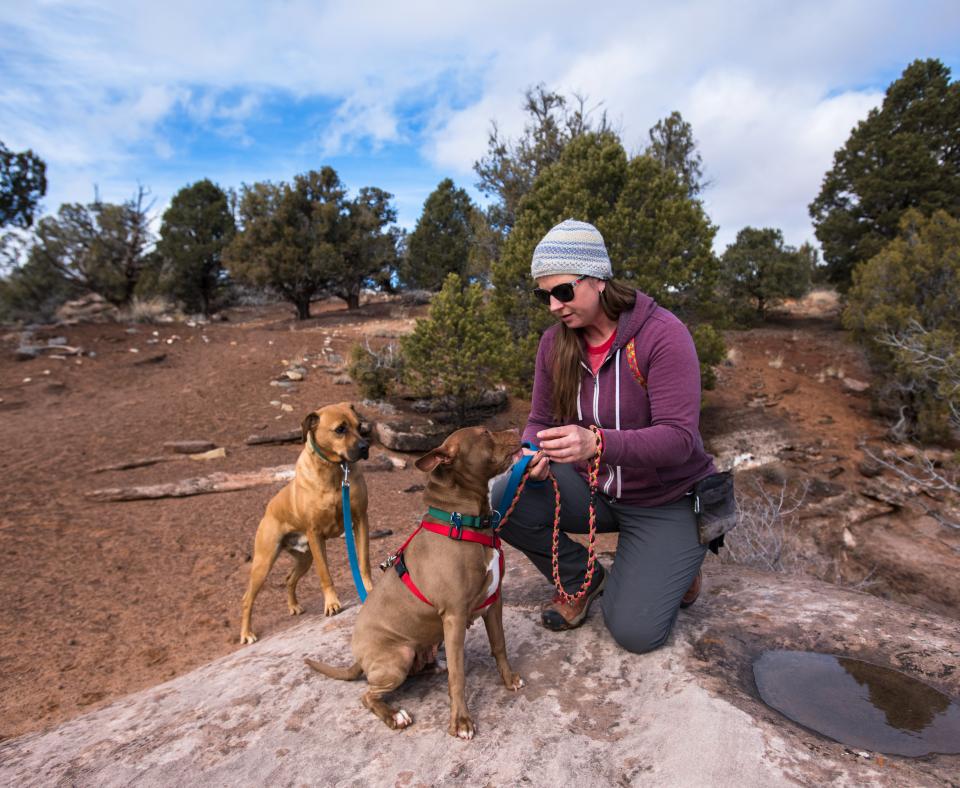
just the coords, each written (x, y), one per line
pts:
(344, 674)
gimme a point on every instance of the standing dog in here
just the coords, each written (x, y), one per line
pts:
(395, 629)
(309, 510)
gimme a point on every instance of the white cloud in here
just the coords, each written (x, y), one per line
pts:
(771, 89)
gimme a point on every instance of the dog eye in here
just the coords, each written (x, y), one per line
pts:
(341, 429)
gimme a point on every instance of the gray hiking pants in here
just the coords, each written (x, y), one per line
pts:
(658, 552)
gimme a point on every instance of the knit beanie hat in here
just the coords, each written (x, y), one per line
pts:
(572, 247)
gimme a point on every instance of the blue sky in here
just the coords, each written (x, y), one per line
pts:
(400, 95)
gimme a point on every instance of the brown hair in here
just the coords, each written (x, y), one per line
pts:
(568, 351)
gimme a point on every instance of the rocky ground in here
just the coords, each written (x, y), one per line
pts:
(106, 598)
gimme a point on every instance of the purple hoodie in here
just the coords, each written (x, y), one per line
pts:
(653, 452)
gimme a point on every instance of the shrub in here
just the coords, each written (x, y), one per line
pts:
(458, 350)
(376, 372)
(711, 350)
(903, 308)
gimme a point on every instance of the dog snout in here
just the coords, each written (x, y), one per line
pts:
(364, 449)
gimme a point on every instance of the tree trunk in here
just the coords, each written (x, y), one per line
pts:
(303, 309)
(353, 300)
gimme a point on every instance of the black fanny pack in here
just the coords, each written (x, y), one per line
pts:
(715, 504)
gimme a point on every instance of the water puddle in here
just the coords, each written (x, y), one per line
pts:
(859, 704)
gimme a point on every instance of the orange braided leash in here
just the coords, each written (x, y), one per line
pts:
(593, 473)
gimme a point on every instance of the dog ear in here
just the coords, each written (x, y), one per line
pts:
(439, 456)
(308, 424)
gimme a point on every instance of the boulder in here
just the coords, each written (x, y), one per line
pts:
(407, 436)
(591, 713)
(91, 308)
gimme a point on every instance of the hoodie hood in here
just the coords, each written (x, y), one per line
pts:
(629, 323)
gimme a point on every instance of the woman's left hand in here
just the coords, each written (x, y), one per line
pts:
(569, 443)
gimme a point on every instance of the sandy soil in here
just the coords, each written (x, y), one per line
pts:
(101, 599)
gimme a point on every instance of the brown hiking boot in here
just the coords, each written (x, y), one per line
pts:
(694, 591)
(559, 615)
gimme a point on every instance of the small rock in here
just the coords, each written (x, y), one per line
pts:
(25, 353)
(854, 386)
(848, 538)
(286, 407)
(413, 488)
(56, 341)
(834, 472)
(292, 374)
(380, 533)
(275, 403)
(869, 468)
(342, 380)
(379, 462)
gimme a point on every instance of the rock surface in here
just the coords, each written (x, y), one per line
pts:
(591, 713)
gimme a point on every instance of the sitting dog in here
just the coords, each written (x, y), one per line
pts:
(309, 510)
(456, 580)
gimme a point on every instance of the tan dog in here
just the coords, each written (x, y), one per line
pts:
(309, 510)
(395, 629)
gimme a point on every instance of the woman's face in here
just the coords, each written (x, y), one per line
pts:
(584, 309)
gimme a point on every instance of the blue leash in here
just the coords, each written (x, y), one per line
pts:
(348, 534)
(519, 468)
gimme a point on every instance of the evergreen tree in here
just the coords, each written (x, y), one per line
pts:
(100, 247)
(195, 229)
(673, 146)
(658, 239)
(368, 247)
(903, 308)
(758, 267)
(23, 182)
(307, 238)
(441, 242)
(904, 155)
(458, 349)
(510, 167)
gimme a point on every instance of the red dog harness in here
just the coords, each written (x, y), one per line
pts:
(454, 531)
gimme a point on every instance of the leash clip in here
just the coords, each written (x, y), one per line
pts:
(346, 474)
(456, 526)
(390, 561)
(494, 518)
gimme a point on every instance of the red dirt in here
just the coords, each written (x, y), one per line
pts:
(103, 599)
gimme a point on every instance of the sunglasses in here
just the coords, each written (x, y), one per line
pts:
(563, 293)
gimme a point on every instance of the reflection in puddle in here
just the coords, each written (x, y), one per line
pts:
(858, 703)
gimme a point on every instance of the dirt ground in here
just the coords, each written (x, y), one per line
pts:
(102, 599)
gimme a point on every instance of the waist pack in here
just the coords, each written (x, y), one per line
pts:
(715, 504)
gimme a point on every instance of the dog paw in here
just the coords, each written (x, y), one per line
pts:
(331, 607)
(247, 637)
(462, 728)
(401, 719)
(296, 610)
(516, 683)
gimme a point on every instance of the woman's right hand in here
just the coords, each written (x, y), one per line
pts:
(539, 466)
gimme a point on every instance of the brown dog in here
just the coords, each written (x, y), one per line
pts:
(309, 510)
(395, 629)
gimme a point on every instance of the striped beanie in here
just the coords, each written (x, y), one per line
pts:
(571, 247)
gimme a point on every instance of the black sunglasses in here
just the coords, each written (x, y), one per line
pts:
(563, 293)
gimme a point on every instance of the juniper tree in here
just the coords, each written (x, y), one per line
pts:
(903, 308)
(441, 242)
(759, 268)
(195, 229)
(903, 155)
(458, 350)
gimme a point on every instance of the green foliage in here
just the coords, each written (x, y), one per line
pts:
(101, 247)
(34, 290)
(903, 308)
(23, 182)
(441, 242)
(711, 351)
(307, 238)
(196, 228)
(904, 155)
(510, 167)
(759, 268)
(673, 146)
(659, 240)
(458, 350)
(376, 372)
